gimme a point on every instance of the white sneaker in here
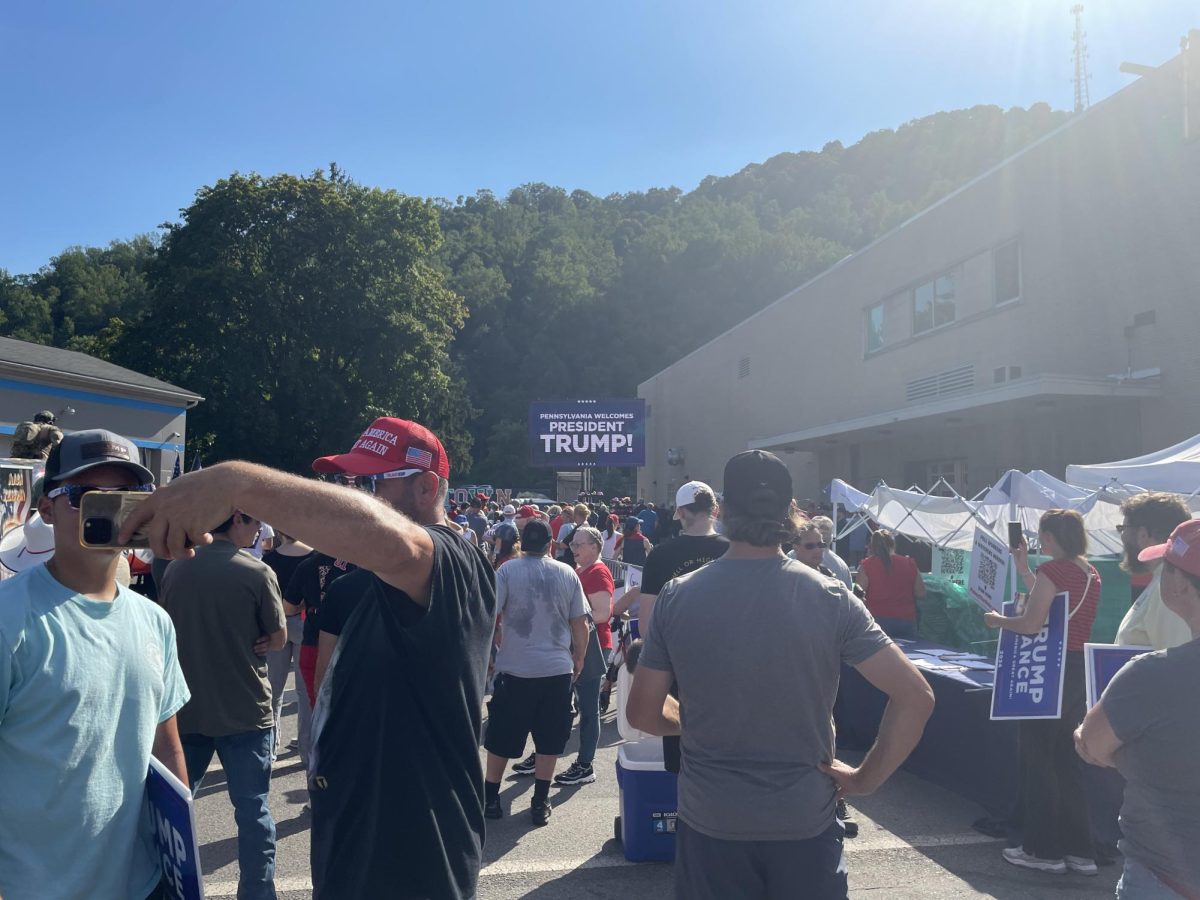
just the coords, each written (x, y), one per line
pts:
(1081, 865)
(1018, 857)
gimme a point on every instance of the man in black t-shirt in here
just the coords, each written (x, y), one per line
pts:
(305, 592)
(697, 545)
(396, 784)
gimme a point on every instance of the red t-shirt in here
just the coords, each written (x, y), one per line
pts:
(1066, 576)
(555, 524)
(596, 579)
(890, 593)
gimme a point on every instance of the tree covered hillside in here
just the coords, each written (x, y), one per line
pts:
(559, 294)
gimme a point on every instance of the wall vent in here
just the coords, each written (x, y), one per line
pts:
(951, 381)
(744, 367)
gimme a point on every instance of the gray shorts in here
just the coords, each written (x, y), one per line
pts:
(709, 868)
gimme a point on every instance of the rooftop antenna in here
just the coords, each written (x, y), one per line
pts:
(1083, 97)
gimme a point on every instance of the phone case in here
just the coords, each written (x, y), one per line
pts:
(116, 507)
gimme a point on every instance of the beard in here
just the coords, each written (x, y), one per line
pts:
(1130, 563)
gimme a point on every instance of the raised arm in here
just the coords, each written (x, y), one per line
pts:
(346, 524)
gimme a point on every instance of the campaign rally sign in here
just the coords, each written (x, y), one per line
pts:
(1030, 668)
(989, 571)
(574, 434)
(174, 825)
(1103, 661)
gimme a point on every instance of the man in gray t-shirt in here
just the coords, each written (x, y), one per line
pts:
(1147, 725)
(542, 635)
(536, 599)
(756, 642)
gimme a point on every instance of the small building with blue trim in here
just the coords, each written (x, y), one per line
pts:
(85, 392)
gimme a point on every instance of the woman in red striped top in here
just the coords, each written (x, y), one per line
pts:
(1056, 834)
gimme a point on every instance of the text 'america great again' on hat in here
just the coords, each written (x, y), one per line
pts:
(389, 445)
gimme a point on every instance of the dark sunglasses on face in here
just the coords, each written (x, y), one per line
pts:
(367, 482)
(74, 492)
(814, 546)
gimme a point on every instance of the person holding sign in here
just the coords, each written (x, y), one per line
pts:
(1147, 726)
(1057, 836)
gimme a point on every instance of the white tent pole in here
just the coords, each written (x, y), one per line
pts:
(924, 497)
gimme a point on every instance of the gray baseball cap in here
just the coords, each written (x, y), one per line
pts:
(83, 450)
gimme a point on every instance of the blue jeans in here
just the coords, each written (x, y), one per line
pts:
(1139, 883)
(587, 697)
(587, 700)
(246, 759)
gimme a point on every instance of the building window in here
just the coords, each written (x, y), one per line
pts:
(875, 328)
(1006, 272)
(933, 304)
(954, 471)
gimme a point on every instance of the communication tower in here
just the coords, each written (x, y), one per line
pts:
(1083, 97)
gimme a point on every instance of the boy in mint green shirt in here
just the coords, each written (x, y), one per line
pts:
(89, 688)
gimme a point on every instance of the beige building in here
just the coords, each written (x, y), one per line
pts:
(1044, 314)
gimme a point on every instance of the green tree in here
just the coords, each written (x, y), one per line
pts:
(301, 308)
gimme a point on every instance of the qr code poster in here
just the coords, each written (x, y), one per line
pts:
(990, 560)
(950, 564)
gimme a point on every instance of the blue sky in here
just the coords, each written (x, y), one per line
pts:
(114, 114)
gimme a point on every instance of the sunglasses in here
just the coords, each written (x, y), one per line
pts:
(367, 482)
(74, 492)
(814, 546)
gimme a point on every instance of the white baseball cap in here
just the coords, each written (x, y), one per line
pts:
(686, 494)
(509, 510)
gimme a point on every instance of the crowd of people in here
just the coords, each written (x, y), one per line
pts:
(402, 617)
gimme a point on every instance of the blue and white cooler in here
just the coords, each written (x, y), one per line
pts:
(649, 800)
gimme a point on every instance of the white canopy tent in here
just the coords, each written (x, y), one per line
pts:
(1175, 469)
(949, 522)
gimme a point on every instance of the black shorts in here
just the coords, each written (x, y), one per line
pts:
(523, 706)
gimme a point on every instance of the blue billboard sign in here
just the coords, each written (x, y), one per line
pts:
(575, 434)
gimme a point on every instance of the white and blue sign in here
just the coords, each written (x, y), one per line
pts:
(174, 824)
(575, 434)
(1030, 668)
(1101, 662)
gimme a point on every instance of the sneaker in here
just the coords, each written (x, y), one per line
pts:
(576, 774)
(1081, 865)
(493, 810)
(1018, 857)
(526, 766)
(540, 812)
(843, 815)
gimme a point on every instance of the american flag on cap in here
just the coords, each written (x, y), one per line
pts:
(417, 457)
(388, 445)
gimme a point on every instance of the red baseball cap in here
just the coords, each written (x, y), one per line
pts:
(1182, 548)
(389, 445)
(526, 512)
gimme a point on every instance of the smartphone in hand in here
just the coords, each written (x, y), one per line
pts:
(1016, 535)
(102, 515)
